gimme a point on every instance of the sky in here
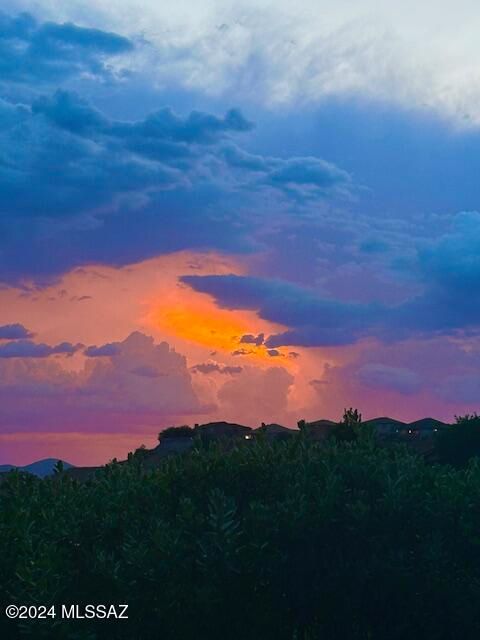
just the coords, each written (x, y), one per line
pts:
(243, 211)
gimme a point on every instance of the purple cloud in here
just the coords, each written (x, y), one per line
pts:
(109, 349)
(115, 394)
(14, 332)
(383, 376)
(316, 320)
(147, 371)
(29, 349)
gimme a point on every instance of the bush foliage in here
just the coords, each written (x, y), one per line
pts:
(457, 443)
(286, 541)
(176, 432)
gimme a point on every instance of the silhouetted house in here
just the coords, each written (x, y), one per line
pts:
(426, 427)
(386, 427)
(420, 437)
(275, 431)
(317, 430)
(175, 440)
(223, 431)
(153, 458)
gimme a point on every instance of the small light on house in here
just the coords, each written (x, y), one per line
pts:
(248, 437)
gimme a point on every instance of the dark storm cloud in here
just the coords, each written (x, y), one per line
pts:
(78, 186)
(33, 52)
(48, 171)
(68, 111)
(314, 321)
(445, 306)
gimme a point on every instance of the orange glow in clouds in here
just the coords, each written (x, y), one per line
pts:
(212, 328)
(195, 318)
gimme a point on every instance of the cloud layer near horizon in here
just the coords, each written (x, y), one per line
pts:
(137, 384)
(140, 384)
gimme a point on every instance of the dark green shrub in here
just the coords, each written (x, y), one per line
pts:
(459, 442)
(351, 428)
(176, 432)
(282, 541)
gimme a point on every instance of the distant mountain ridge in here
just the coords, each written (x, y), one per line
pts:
(40, 468)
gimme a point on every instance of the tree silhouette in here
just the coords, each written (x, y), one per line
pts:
(59, 467)
(348, 429)
(460, 441)
(351, 417)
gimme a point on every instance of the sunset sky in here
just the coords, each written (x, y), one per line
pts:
(249, 211)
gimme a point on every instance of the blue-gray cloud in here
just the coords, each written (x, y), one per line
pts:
(452, 260)
(78, 186)
(29, 349)
(109, 349)
(298, 177)
(33, 52)
(314, 320)
(14, 331)
(68, 111)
